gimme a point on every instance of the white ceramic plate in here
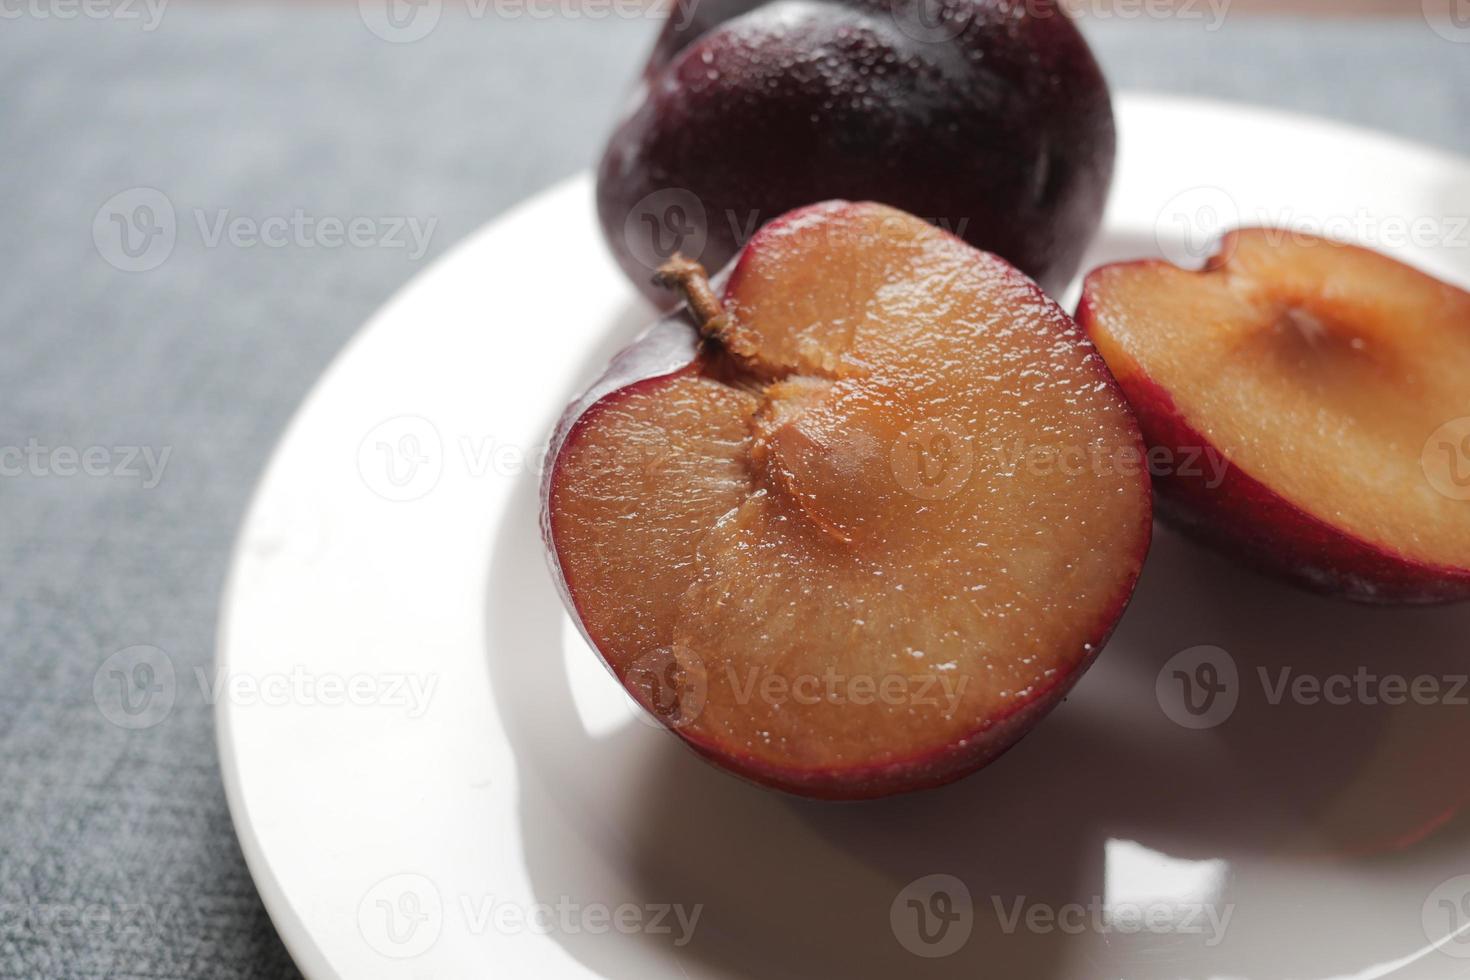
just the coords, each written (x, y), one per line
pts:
(431, 776)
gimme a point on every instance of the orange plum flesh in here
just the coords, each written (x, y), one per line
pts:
(1320, 378)
(870, 532)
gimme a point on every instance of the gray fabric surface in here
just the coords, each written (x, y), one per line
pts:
(117, 856)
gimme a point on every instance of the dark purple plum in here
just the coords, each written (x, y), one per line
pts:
(989, 118)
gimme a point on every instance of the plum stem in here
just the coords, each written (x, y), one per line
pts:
(713, 320)
(692, 282)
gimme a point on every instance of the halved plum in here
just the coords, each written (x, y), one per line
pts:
(1326, 386)
(875, 525)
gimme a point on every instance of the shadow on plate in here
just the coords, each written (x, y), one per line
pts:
(1271, 814)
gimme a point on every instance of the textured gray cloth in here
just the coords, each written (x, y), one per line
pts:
(117, 857)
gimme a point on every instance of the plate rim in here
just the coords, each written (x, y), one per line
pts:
(284, 915)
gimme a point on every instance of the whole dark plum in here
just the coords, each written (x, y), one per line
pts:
(989, 118)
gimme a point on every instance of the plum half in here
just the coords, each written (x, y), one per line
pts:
(1320, 390)
(988, 117)
(851, 525)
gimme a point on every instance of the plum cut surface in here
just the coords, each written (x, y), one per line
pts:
(1315, 369)
(875, 532)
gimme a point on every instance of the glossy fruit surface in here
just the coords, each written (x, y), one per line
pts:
(1321, 391)
(871, 528)
(989, 118)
